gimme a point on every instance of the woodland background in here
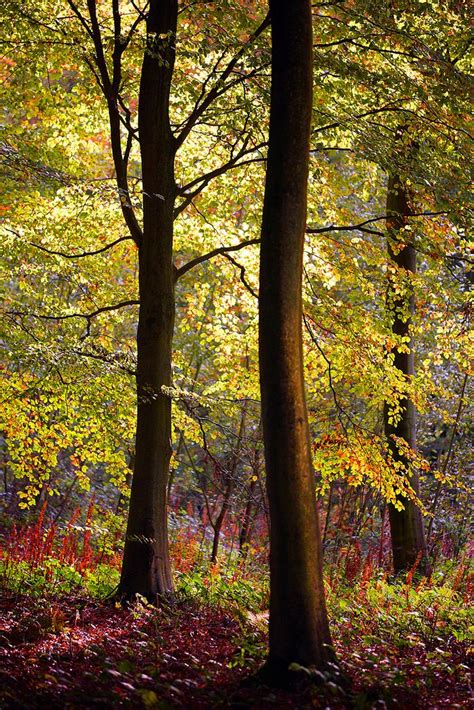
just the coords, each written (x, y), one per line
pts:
(390, 81)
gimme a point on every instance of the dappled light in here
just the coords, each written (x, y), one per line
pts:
(236, 421)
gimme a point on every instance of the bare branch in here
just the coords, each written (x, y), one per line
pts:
(65, 255)
(66, 316)
(108, 359)
(390, 107)
(110, 88)
(339, 409)
(361, 226)
(211, 254)
(80, 17)
(202, 181)
(243, 274)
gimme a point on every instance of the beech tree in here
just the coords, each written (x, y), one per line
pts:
(299, 629)
(146, 568)
(406, 525)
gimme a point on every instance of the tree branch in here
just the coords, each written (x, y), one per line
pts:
(339, 409)
(211, 254)
(66, 316)
(203, 180)
(204, 101)
(65, 255)
(361, 226)
(107, 359)
(110, 88)
(243, 276)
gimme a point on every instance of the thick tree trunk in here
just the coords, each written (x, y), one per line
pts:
(406, 526)
(146, 566)
(299, 630)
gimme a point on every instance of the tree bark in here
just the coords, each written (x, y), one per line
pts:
(299, 630)
(146, 566)
(406, 526)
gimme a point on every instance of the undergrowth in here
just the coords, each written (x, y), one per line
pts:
(409, 633)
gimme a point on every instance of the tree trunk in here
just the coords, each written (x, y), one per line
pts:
(299, 630)
(229, 487)
(245, 530)
(146, 565)
(220, 521)
(406, 526)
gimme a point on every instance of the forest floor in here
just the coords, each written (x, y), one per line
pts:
(73, 652)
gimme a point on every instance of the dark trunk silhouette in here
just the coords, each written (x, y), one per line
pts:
(406, 526)
(299, 630)
(146, 565)
(218, 523)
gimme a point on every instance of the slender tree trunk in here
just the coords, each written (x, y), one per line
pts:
(382, 533)
(299, 630)
(245, 530)
(447, 459)
(65, 500)
(146, 566)
(220, 521)
(406, 526)
(229, 488)
(328, 513)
